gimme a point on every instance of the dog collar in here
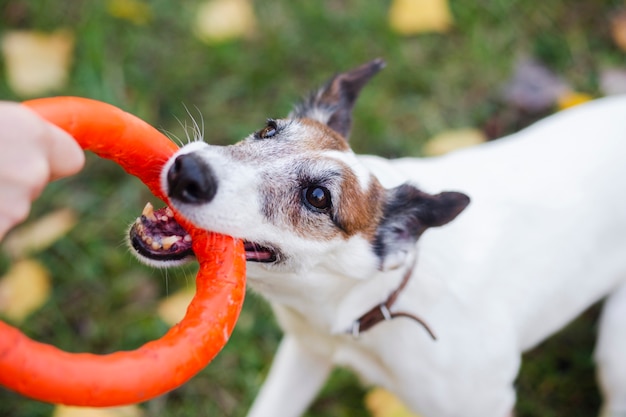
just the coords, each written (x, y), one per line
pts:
(382, 312)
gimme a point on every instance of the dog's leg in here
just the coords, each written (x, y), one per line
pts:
(293, 381)
(611, 354)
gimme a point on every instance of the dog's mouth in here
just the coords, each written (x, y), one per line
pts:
(157, 236)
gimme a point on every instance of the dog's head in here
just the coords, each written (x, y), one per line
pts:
(298, 196)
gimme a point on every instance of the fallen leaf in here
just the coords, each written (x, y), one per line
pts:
(410, 17)
(135, 11)
(222, 20)
(506, 120)
(173, 308)
(534, 88)
(450, 140)
(571, 99)
(613, 81)
(39, 234)
(37, 62)
(382, 403)
(24, 289)
(618, 29)
(70, 411)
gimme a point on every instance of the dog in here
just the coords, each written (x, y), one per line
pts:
(426, 276)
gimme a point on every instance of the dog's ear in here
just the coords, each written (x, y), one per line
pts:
(407, 213)
(332, 104)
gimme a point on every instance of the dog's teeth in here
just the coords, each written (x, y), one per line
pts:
(155, 245)
(148, 212)
(169, 212)
(167, 242)
(164, 218)
(187, 238)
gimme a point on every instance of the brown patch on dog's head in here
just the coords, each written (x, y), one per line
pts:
(322, 137)
(360, 211)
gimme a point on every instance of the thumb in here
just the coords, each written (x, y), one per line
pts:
(65, 155)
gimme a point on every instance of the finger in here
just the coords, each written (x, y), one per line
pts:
(66, 156)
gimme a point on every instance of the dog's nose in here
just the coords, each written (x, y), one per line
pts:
(191, 180)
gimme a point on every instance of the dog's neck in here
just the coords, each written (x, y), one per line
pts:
(330, 300)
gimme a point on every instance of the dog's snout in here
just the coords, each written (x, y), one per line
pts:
(191, 180)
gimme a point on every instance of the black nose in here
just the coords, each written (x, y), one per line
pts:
(191, 180)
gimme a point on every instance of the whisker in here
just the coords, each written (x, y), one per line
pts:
(173, 136)
(167, 282)
(185, 127)
(197, 129)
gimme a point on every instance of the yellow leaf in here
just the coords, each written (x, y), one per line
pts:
(571, 99)
(410, 17)
(382, 403)
(36, 62)
(173, 308)
(70, 411)
(135, 11)
(24, 289)
(453, 139)
(39, 234)
(221, 20)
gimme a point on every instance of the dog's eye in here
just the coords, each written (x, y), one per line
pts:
(317, 198)
(269, 130)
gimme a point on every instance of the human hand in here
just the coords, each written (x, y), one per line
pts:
(33, 152)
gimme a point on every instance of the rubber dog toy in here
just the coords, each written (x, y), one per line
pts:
(45, 373)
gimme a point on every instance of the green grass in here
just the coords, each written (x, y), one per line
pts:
(103, 300)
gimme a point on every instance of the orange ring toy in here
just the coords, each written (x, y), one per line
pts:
(45, 373)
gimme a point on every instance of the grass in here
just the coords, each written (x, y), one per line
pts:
(103, 300)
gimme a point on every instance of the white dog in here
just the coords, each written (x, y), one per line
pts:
(338, 245)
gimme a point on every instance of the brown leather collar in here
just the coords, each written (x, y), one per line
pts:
(382, 312)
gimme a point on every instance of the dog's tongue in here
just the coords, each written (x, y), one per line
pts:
(157, 236)
(258, 253)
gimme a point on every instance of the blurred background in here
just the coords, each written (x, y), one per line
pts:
(458, 73)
